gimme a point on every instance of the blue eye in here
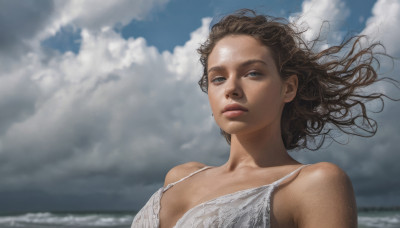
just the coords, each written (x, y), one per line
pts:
(218, 79)
(253, 74)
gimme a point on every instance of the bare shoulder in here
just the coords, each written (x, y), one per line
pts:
(324, 172)
(325, 191)
(180, 171)
(323, 178)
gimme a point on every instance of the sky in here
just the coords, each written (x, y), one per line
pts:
(99, 99)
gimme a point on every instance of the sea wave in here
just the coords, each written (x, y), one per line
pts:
(47, 219)
(390, 219)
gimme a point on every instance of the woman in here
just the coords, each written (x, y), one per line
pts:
(269, 93)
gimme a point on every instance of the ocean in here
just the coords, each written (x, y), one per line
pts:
(379, 219)
(67, 220)
(366, 219)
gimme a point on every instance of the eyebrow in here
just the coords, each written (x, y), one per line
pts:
(248, 62)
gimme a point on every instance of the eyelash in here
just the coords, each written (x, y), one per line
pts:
(216, 79)
(254, 72)
(220, 78)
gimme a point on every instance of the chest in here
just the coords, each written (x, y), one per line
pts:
(244, 208)
(213, 199)
(248, 200)
(252, 207)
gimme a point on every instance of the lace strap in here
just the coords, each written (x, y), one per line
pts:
(276, 183)
(186, 177)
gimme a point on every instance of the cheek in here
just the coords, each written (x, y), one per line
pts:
(213, 100)
(266, 100)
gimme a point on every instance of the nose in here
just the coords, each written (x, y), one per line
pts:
(233, 89)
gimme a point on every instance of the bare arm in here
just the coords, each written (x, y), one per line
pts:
(327, 198)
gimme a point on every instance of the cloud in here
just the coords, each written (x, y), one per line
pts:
(95, 121)
(370, 162)
(37, 21)
(105, 14)
(19, 22)
(315, 13)
(380, 27)
(378, 172)
(107, 114)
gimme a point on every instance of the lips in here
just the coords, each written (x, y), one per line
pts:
(234, 107)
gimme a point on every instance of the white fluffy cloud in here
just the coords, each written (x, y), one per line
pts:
(29, 23)
(382, 26)
(315, 12)
(97, 120)
(94, 15)
(117, 107)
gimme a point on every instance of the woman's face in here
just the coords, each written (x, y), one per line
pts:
(245, 91)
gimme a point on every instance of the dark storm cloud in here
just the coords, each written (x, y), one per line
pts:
(20, 21)
(371, 163)
(15, 107)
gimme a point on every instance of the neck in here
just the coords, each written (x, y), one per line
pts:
(258, 149)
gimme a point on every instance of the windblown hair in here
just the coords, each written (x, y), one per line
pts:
(329, 82)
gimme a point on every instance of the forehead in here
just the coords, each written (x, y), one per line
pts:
(236, 49)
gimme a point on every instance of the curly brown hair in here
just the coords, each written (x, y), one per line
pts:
(329, 81)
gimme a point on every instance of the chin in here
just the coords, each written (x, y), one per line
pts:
(246, 127)
(236, 128)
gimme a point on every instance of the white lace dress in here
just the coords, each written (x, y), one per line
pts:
(245, 208)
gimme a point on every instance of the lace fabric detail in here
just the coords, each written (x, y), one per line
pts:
(148, 215)
(245, 208)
